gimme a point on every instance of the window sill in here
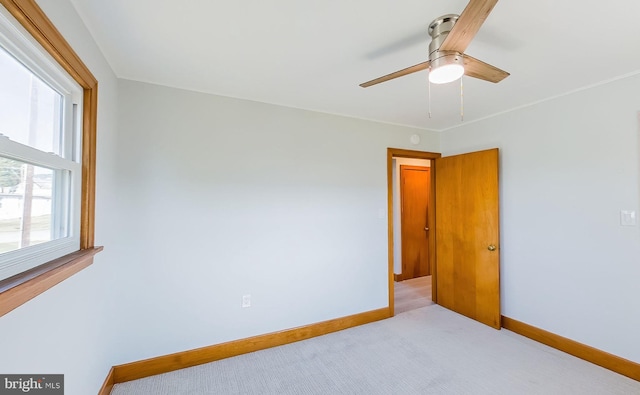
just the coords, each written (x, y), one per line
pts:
(19, 289)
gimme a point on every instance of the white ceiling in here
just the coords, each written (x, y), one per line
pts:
(313, 55)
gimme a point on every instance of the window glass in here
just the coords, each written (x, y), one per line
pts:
(32, 209)
(30, 110)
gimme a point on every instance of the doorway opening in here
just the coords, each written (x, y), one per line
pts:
(411, 249)
(412, 271)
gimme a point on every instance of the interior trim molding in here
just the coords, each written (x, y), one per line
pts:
(34, 20)
(601, 358)
(21, 288)
(108, 384)
(185, 359)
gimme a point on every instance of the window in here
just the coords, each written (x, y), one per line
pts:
(48, 105)
(40, 171)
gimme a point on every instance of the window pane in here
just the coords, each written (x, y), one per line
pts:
(28, 196)
(30, 110)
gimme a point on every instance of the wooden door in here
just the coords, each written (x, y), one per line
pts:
(467, 235)
(414, 196)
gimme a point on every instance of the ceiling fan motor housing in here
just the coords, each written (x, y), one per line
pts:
(439, 30)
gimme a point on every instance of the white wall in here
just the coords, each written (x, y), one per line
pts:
(568, 166)
(227, 197)
(200, 200)
(68, 329)
(397, 214)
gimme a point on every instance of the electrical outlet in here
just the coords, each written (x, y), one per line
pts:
(246, 300)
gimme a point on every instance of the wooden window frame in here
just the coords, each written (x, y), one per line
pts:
(18, 289)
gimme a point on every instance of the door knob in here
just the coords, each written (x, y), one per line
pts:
(426, 228)
(491, 247)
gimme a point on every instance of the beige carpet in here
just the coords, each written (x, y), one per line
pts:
(430, 350)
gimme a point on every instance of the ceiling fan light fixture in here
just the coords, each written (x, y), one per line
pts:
(445, 69)
(451, 34)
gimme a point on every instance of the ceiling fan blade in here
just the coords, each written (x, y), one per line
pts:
(478, 69)
(467, 25)
(400, 73)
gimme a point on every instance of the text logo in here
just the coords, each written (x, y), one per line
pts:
(37, 384)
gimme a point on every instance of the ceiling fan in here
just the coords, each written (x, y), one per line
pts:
(450, 36)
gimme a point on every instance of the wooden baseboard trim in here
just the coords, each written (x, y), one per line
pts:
(397, 277)
(601, 358)
(107, 386)
(167, 363)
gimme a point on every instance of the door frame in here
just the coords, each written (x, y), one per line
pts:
(404, 153)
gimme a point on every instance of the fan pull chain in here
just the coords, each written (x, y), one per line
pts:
(461, 100)
(429, 100)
